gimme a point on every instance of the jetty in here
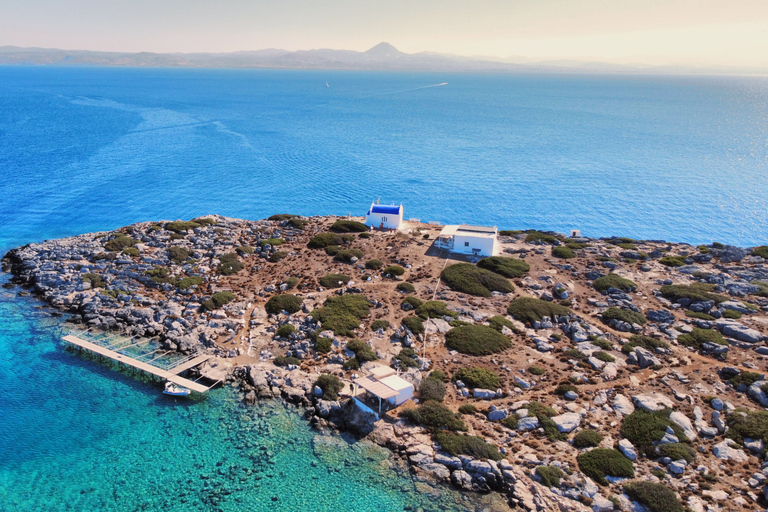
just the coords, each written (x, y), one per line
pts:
(170, 374)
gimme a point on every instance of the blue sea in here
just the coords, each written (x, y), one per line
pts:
(83, 149)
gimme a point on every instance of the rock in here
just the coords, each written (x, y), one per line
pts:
(684, 423)
(595, 363)
(677, 467)
(627, 449)
(567, 422)
(522, 382)
(661, 316)
(571, 395)
(652, 401)
(725, 451)
(717, 404)
(601, 504)
(756, 393)
(756, 446)
(718, 495)
(498, 415)
(461, 479)
(736, 330)
(622, 405)
(645, 358)
(452, 463)
(528, 423)
(484, 394)
(718, 422)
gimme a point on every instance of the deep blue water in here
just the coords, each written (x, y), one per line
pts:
(676, 158)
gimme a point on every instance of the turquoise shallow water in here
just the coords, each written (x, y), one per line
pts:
(677, 158)
(79, 436)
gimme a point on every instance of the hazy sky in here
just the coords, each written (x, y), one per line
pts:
(730, 32)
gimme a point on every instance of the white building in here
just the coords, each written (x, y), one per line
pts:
(381, 216)
(384, 384)
(466, 239)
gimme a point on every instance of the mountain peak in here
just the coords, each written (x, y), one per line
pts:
(383, 50)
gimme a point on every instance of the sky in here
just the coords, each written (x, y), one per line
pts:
(656, 32)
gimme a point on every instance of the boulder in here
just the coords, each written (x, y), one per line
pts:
(622, 405)
(567, 422)
(484, 394)
(756, 393)
(462, 480)
(726, 451)
(661, 316)
(684, 423)
(528, 423)
(627, 449)
(652, 401)
(738, 331)
(497, 415)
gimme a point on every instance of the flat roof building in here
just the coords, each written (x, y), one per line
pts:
(468, 239)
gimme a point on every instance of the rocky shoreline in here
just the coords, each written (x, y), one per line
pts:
(633, 328)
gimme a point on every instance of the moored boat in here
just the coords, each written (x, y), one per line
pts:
(174, 390)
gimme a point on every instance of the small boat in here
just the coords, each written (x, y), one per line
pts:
(326, 84)
(174, 390)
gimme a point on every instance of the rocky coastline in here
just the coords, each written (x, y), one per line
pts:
(632, 330)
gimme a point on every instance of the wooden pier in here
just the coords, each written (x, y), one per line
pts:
(171, 375)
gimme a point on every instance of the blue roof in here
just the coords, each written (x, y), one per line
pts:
(380, 208)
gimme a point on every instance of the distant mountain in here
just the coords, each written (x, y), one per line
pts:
(383, 56)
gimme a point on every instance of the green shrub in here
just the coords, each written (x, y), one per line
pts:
(482, 378)
(283, 302)
(696, 292)
(324, 345)
(363, 351)
(498, 322)
(507, 267)
(97, 281)
(436, 416)
(602, 462)
(732, 314)
(467, 409)
(374, 264)
(432, 389)
(292, 282)
(457, 444)
(244, 250)
(746, 378)
(351, 364)
(646, 342)
(536, 370)
(131, 251)
(627, 246)
(274, 242)
(348, 226)
(334, 280)
(332, 250)
(120, 242)
(178, 254)
(697, 337)
(394, 270)
(563, 252)
(603, 356)
(644, 428)
(346, 255)
(602, 284)
(530, 310)
(510, 421)
(415, 324)
(538, 236)
(677, 451)
(282, 216)
(323, 240)
(230, 264)
(405, 287)
(285, 361)
(285, 330)
(186, 283)
(342, 314)
(298, 223)
(698, 314)
(656, 497)
(434, 309)
(748, 424)
(467, 278)
(438, 374)
(276, 256)
(413, 301)
(179, 226)
(550, 475)
(573, 353)
(624, 315)
(379, 324)
(587, 439)
(331, 385)
(364, 235)
(602, 343)
(406, 357)
(476, 340)
(544, 414)
(761, 251)
(218, 299)
(672, 261)
(563, 388)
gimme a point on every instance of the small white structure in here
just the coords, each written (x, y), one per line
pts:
(575, 233)
(381, 216)
(384, 384)
(466, 239)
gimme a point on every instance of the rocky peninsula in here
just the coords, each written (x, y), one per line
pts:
(563, 374)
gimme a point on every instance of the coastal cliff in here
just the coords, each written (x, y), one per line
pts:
(589, 373)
